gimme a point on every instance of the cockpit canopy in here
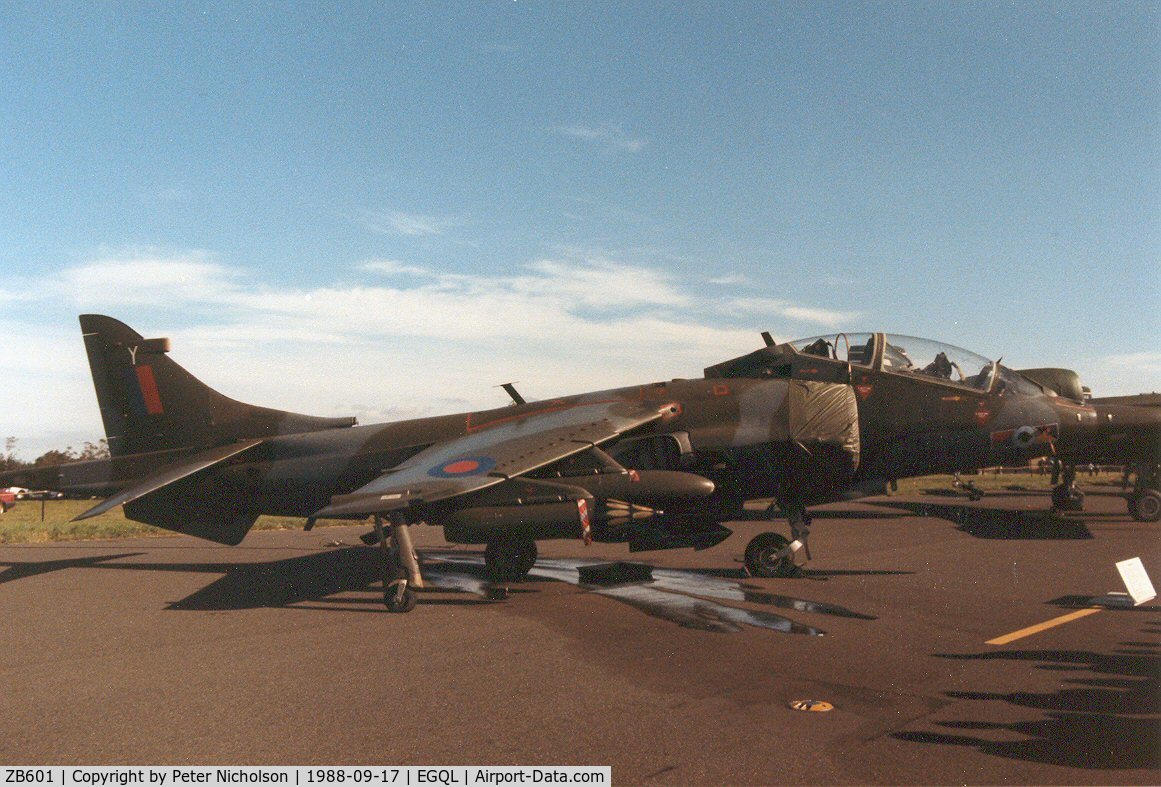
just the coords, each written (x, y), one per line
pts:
(904, 355)
(891, 353)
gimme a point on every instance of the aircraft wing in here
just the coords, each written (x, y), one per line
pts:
(169, 474)
(493, 454)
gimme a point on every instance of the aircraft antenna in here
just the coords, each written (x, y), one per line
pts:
(511, 389)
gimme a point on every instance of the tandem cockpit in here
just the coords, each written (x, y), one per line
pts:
(837, 357)
(904, 355)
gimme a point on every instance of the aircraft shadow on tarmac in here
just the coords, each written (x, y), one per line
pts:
(993, 523)
(688, 598)
(241, 585)
(280, 583)
(1106, 721)
(12, 571)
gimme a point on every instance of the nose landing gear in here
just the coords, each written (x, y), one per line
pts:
(772, 555)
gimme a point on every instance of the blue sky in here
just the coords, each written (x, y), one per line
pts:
(386, 209)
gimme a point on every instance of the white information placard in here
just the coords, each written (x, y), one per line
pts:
(1136, 581)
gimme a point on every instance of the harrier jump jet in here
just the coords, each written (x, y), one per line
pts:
(656, 466)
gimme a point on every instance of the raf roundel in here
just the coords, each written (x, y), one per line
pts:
(463, 467)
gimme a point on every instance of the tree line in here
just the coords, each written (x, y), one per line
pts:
(9, 461)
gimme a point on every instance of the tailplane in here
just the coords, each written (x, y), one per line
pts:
(150, 403)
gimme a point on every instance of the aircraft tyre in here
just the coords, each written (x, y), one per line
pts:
(1067, 499)
(1145, 506)
(760, 557)
(395, 604)
(510, 560)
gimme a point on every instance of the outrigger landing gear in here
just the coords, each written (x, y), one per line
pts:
(1066, 496)
(400, 565)
(771, 555)
(509, 559)
(974, 493)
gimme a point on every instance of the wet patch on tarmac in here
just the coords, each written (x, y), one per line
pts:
(678, 596)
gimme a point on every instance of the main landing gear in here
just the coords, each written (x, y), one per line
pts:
(401, 574)
(1065, 495)
(1144, 501)
(771, 555)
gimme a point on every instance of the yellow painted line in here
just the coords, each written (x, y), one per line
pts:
(1015, 635)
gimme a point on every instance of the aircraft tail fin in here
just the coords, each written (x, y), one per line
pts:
(150, 403)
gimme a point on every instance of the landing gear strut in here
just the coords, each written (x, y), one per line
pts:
(1065, 496)
(401, 574)
(510, 559)
(771, 555)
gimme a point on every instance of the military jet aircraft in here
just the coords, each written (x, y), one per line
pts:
(656, 466)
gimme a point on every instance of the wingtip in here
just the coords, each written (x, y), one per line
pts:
(343, 506)
(97, 510)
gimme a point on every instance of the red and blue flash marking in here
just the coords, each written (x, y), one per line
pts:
(141, 385)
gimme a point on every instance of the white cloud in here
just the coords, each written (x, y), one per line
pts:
(393, 268)
(396, 222)
(611, 138)
(1142, 361)
(144, 278)
(1122, 374)
(829, 318)
(728, 279)
(399, 341)
(602, 284)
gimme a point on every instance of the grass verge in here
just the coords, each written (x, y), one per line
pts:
(24, 524)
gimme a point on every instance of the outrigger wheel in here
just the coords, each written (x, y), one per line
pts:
(767, 556)
(399, 602)
(510, 559)
(398, 595)
(1067, 498)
